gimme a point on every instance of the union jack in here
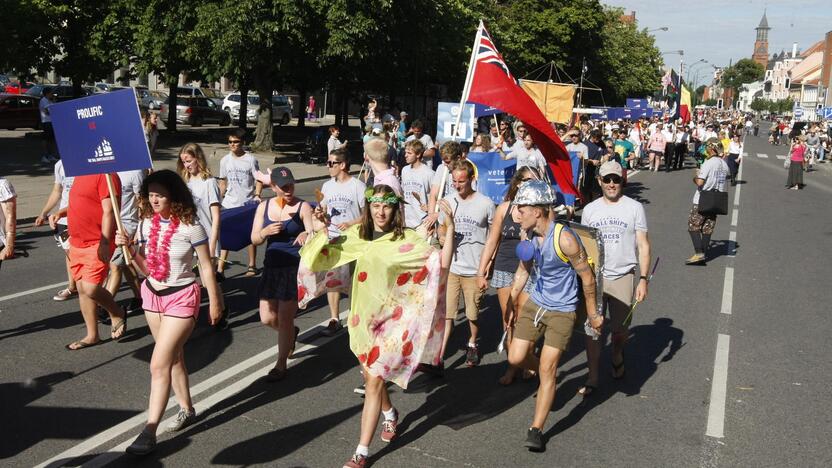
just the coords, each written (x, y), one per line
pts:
(487, 53)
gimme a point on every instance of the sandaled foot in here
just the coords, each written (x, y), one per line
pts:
(118, 329)
(251, 271)
(529, 374)
(618, 371)
(587, 390)
(508, 377)
(294, 343)
(76, 345)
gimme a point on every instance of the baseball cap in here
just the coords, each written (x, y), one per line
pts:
(282, 176)
(610, 167)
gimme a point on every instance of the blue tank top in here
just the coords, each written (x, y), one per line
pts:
(280, 248)
(557, 282)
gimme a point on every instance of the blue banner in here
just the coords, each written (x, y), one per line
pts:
(482, 111)
(493, 174)
(446, 119)
(636, 103)
(100, 134)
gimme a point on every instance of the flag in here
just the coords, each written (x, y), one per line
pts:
(673, 95)
(665, 82)
(492, 84)
(685, 105)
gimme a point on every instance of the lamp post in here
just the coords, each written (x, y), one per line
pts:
(663, 28)
(692, 66)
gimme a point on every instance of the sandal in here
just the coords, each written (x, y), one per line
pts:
(251, 271)
(587, 390)
(63, 295)
(119, 328)
(618, 371)
(76, 345)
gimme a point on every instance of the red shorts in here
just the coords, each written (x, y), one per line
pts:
(85, 264)
(182, 303)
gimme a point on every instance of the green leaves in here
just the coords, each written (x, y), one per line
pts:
(744, 71)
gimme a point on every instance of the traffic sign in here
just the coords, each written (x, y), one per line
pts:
(825, 112)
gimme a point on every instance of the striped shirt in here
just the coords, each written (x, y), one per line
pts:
(181, 252)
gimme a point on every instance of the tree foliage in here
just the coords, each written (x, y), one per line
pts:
(744, 71)
(780, 106)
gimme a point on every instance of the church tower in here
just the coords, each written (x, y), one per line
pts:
(761, 44)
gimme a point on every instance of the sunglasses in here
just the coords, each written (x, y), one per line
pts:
(234, 142)
(611, 178)
(332, 163)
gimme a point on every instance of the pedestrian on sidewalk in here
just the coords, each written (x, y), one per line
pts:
(550, 311)
(92, 228)
(284, 224)
(711, 176)
(51, 155)
(168, 235)
(59, 196)
(8, 219)
(396, 305)
(735, 149)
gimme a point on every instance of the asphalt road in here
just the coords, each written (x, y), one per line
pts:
(750, 353)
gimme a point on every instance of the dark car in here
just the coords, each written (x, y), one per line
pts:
(151, 99)
(19, 111)
(196, 111)
(62, 92)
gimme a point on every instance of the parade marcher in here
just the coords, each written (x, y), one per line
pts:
(623, 225)
(417, 132)
(416, 177)
(596, 151)
(451, 151)
(238, 187)
(168, 235)
(131, 185)
(797, 163)
(8, 219)
(656, 147)
(92, 224)
(473, 215)
(397, 301)
(499, 253)
(51, 154)
(550, 311)
(680, 151)
(528, 155)
(343, 199)
(284, 223)
(734, 158)
(60, 196)
(482, 144)
(334, 143)
(711, 176)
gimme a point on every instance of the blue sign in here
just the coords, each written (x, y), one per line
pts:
(446, 119)
(493, 174)
(825, 112)
(636, 103)
(482, 111)
(100, 134)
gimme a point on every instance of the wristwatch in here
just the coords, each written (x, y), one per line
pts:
(644, 278)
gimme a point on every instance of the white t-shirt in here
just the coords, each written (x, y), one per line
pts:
(206, 192)
(529, 157)
(66, 185)
(333, 144)
(131, 185)
(239, 174)
(472, 219)
(581, 149)
(437, 179)
(618, 223)
(714, 171)
(181, 252)
(42, 105)
(425, 139)
(343, 200)
(7, 193)
(415, 181)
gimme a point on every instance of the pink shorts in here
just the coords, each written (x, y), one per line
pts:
(184, 303)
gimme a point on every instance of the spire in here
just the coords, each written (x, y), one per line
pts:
(763, 22)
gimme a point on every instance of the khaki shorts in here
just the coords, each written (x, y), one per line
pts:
(554, 326)
(470, 292)
(618, 297)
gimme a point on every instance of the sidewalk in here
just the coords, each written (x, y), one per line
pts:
(20, 152)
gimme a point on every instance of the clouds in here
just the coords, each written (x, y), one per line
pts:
(723, 30)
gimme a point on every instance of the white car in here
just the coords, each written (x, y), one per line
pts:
(281, 109)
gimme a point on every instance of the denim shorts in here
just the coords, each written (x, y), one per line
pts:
(504, 279)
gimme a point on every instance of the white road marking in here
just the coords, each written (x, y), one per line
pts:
(781, 156)
(727, 291)
(719, 387)
(734, 215)
(61, 285)
(762, 155)
(739, 187)
(120, 429)
(732, 243)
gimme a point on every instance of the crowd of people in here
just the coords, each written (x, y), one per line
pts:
(408, 240)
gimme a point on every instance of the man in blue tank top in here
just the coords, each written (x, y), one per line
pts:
(550, 312)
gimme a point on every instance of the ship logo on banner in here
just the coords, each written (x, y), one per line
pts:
(103, 153)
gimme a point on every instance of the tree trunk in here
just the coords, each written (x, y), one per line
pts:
(76, 86)
(263, 134)
(242, 119)
(173, 82)
(302, 115)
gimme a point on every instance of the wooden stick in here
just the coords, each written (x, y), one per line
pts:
(116, 212)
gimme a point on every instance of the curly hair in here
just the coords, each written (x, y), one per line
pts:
(181, 201)
(367, 225)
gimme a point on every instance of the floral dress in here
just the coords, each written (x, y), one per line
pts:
(397, 304)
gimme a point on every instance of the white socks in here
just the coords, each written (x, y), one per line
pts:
(362, 450)
(390, 414)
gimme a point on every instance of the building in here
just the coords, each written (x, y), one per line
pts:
(760, 54)
(777, 80)
(748, 93)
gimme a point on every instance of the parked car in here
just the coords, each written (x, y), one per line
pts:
(196, 111)
(17, 87)
(19, 111)
(281, 109)
(190, 91)
(62, 92)
(151, 99)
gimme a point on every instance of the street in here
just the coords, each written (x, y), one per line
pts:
(726, 364)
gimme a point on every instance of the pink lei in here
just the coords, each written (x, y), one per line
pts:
(158, 258)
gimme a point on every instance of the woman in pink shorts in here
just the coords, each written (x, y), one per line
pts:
(168, 235)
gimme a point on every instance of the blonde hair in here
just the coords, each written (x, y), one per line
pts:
(195, 151)
(376, 150)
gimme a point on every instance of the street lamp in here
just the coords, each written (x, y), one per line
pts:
(695, 64)
(663, 28)
(681, 59)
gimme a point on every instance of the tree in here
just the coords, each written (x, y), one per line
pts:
(761, 105)
(742, 72)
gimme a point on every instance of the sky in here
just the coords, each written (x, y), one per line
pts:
(723, 30)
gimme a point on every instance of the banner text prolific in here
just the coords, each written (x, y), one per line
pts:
(89, 112)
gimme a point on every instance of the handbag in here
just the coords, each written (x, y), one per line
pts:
(713, 202)
(787, 163)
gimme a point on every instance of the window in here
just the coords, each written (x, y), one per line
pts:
(234, 98)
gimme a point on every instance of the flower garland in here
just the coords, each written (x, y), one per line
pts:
(158, 258)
